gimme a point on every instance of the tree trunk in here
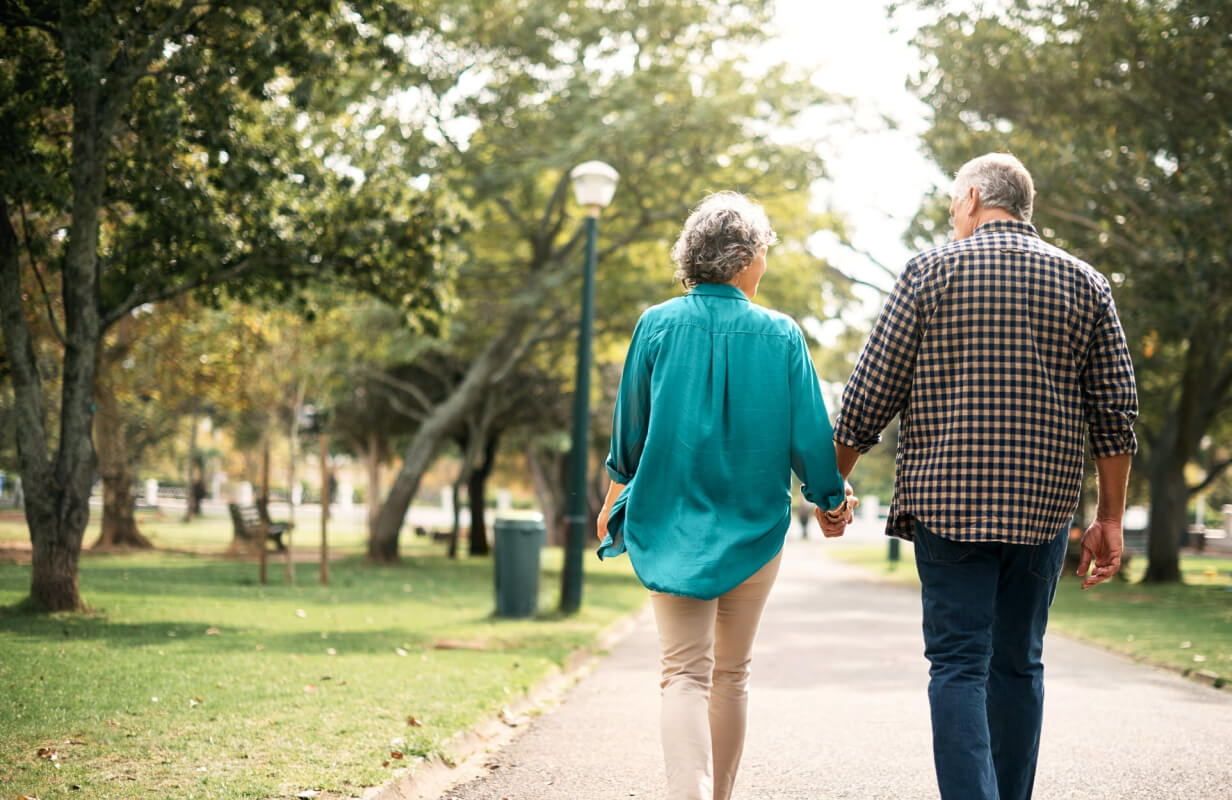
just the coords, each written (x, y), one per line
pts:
(58, 488)
(189, 491)
(53, 586)
(372, 460)
(477, 495)
(456, 530)
(119, 523)
(1169, 495)
(547, 477)
(119, 527)
(293, 443)
(500, 355)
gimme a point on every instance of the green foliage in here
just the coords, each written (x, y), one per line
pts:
(222, 164)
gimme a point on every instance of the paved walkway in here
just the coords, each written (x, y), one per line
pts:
(838, 710)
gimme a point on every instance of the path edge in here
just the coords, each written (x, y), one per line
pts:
(429, 778)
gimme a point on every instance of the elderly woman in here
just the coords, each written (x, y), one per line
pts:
(718, 404)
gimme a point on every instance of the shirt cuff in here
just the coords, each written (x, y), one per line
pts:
(847, 437)
(1106, 445)
(617, 476)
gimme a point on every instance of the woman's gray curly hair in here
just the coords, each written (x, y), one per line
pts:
(720, 238)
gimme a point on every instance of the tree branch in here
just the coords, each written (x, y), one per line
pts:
(860, 251)
(391, 382)
(1212, 475)
(51, 316)
(138, 296)
(19, 354)
(125, 74)
(1081, 221)
(13, 16)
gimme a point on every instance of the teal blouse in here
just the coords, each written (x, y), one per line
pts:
(718, 403)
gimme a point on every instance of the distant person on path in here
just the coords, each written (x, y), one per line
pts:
(718, 404)
(997, 349)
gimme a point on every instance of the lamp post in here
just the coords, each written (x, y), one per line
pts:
(594, 183)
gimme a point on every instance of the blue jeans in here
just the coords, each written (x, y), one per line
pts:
(985, 610)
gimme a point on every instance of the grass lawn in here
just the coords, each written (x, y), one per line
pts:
(188, 680)
(1188, 626)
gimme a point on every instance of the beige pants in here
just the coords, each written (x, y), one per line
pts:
(707, 646)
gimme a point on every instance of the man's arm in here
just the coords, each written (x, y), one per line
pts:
(847, 458)
(1104, 540)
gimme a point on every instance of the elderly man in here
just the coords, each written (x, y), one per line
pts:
(996, 349)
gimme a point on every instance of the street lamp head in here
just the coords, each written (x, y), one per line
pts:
(594, 183)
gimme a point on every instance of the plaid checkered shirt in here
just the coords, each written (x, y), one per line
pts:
(997, 350)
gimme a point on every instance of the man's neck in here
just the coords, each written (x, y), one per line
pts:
(986, 215)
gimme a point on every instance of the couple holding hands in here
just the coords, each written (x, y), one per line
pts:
(999, 352)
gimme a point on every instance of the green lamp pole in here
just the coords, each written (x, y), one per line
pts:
(594, 183)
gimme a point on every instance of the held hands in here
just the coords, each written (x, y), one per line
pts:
(1102, 543)
(834, 523)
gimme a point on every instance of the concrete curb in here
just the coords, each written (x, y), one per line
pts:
(428, 779)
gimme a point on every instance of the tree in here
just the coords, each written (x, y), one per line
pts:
(642, 87)
(162, 146)
(1121, 109)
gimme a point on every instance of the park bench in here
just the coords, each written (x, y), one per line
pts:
(248, 520)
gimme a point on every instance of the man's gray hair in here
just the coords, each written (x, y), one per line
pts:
(1002, 181)
(720, 238)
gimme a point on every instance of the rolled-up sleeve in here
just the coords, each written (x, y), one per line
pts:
(1109, 394)
(632, 416)
(881, 380)
(812, 438)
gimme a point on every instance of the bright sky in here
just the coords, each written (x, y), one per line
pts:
(878, 176)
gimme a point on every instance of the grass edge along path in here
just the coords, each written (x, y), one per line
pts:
(1186, 629)
(187, 680)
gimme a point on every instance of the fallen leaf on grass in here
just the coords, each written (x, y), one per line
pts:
(414, 723)
(457, 644)
(301, 613)
(112, 723)
(260, 647)
(48, 753)
(308, 687)
(395, 754)
(1199, 659)
(400, 651)
(384, 763)
(212, 631)
(1186, 645)
(331, 651)
(307, 795)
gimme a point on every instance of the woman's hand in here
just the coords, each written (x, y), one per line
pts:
(601, 523)
(613, 491)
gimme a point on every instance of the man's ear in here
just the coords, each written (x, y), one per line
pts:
(973, 197)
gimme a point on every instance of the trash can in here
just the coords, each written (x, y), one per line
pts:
(519, 540)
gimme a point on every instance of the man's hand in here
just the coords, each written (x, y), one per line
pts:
(1102, 543)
